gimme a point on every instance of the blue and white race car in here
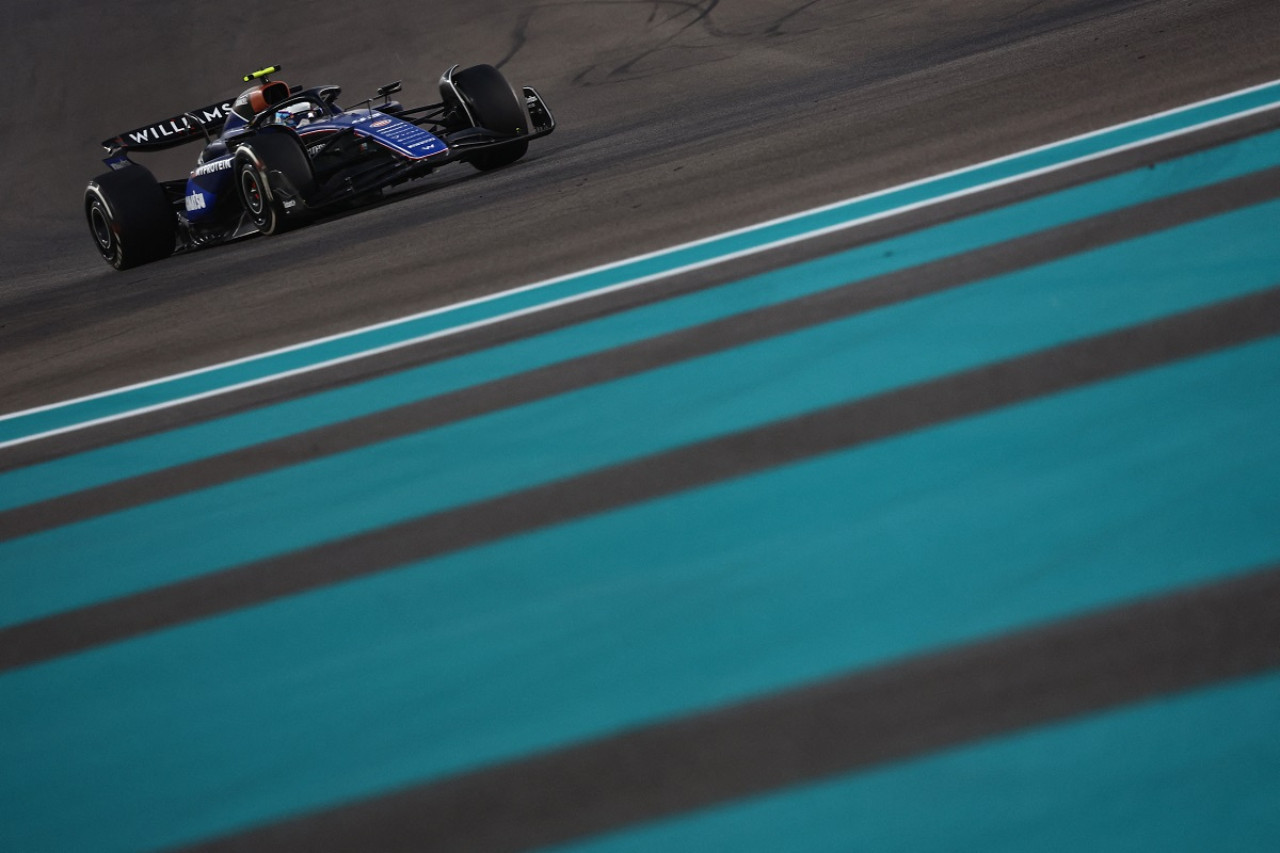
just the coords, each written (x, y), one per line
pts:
(279, 156)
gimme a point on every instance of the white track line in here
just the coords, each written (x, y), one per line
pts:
(719, 259)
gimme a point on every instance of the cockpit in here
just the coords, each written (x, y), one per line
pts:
(275, 102)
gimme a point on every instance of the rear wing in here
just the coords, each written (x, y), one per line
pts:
(172, 132)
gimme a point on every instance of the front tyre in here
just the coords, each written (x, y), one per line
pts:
(273, 178)
(492, 103)
(130, 219)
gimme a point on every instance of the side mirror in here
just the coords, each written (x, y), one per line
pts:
(388, 90)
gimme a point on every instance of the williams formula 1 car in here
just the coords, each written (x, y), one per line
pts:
(278, 156)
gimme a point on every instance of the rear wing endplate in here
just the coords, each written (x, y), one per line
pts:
(171, 132)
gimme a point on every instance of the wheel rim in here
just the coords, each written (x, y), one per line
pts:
(101, 227)
(252, 190)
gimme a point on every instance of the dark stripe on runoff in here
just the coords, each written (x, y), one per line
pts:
(836, 428)
(1056, 672)
(645, 355)
(612, 303)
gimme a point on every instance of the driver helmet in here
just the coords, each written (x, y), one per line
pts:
(294, 115)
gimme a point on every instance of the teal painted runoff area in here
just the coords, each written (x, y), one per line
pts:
(1105, 494)
(1189, 773)
(333, 497)
(85, 470)
(660, 263)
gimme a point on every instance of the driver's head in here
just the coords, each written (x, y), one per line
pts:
(295, 115)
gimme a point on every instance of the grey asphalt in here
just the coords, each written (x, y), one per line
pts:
(678, 120)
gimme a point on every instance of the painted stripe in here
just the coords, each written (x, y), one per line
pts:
(650, 354)
(906, 709)
(1107, 494)
(109, 406)
(691, 467)
(1180, 773)
(153, 453)
(518, 449)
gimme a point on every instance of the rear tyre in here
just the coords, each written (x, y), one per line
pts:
(130, 219)
(273, 179)
(493, 104)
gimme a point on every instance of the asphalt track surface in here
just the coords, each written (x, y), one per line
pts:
(727, 688)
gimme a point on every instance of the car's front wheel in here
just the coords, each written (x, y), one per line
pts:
(492, 103)
(273, 178)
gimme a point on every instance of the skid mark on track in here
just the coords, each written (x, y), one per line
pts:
(687, 18)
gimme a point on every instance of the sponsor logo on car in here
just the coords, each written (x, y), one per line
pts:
(195, 201)
(215, 166)
(381, 123)
(157, 132)
(180, 125)
(211, 115)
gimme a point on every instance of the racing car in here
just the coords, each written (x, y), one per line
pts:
(279, 156)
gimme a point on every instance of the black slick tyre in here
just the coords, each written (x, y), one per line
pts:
(130, 219)
(273, 178)
(492, 103)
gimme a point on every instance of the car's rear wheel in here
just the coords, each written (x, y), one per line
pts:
(273, 179)
(492, 103)
(130, 219)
